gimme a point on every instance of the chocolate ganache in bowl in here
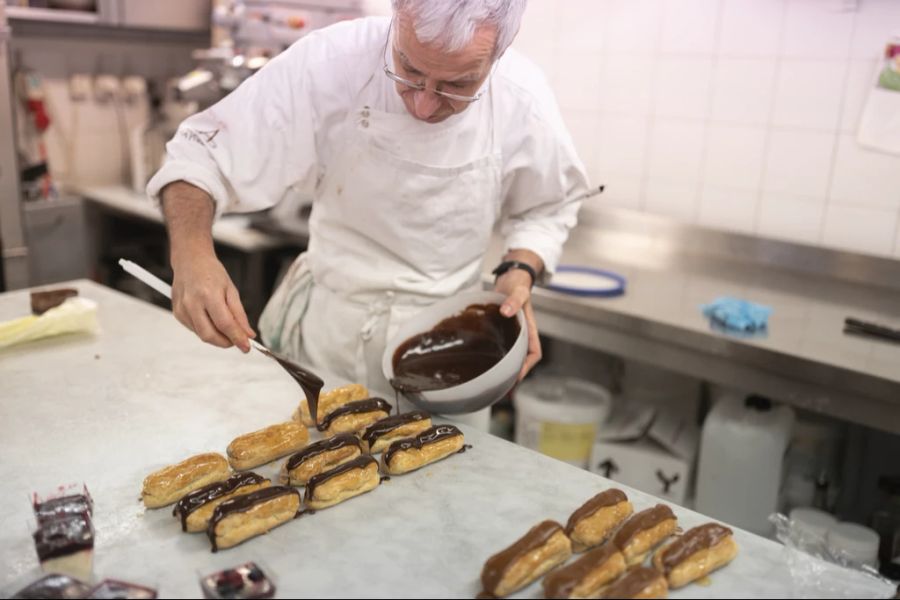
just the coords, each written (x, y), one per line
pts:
(458, 355)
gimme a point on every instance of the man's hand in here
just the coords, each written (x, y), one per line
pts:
(204, 299)
(516, 285)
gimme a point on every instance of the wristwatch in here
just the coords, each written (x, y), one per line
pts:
(514, 264)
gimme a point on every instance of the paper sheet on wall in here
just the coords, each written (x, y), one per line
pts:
(879, 126)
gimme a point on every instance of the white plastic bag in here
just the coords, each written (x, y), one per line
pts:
(817, 572)
(72, 316)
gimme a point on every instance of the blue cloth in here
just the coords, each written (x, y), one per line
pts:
(735, 315)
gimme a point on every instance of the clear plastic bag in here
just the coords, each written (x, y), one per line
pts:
(817, 572)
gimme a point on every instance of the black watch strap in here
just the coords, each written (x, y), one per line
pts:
(514, 264)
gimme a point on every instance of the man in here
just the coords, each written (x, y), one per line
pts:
(414, 136)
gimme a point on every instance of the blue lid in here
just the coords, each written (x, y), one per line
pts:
(586, 281)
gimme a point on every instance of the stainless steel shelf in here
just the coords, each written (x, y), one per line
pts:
(804, 360)
(51, 15)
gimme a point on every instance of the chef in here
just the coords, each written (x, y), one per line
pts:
(415, 136)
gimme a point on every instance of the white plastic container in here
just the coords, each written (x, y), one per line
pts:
(741, 459)
(855, 544)
(559, 416)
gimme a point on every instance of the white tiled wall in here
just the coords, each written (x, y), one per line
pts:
(737, 114)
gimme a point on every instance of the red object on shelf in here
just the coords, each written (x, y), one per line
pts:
(36, 108)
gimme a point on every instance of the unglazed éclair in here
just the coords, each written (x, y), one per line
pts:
(260, 447)
(167, 485)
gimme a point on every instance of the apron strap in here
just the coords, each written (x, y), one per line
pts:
(376, 312)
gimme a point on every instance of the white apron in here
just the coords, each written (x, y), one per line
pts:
(392, 230)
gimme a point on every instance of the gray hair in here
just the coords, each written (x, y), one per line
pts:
(452, 23)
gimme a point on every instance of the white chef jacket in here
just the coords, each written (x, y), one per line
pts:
(273, 136)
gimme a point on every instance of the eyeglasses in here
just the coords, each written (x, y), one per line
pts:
(421, 86)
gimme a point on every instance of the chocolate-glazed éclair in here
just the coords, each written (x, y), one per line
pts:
(242, 504)
(695, 540)
(360, 462)
(206, 494)
(310, 383)
(354, 408)
(429, 436)
(601, 500)
(384, 426)
(640, 522)
(632, 583)
(496, 566)
(561, 582)
(456, 350)
(336, 442)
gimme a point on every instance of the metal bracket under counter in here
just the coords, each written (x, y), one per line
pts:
(672, 269)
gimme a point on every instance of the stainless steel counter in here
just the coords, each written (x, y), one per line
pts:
(805, 359)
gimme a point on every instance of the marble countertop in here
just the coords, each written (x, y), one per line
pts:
(107, 409)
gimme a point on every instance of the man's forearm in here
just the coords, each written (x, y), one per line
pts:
(189, 213)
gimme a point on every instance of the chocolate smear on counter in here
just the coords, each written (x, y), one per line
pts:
(632, 583)
(245, 503)
(456, 350)
(642, 521)
(310, 383)
(695, 540)
(336, 442)
(360, 462)
(497, 565)
(601, 500)
(429, 436)
(561, 582)
(355, 408)
(213, 491)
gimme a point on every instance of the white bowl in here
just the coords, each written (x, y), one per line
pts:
(475, 394)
